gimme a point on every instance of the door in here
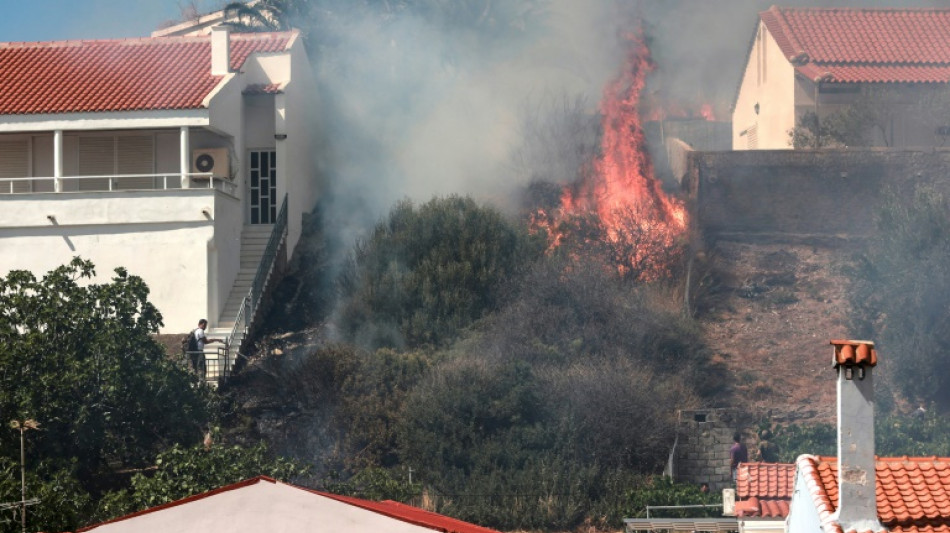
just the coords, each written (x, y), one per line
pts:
(263, 186)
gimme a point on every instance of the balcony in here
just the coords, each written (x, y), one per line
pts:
(117, 182)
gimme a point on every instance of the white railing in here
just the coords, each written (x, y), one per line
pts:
(114, 182)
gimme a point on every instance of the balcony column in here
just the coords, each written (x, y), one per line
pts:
(58, 160)
(185, 158)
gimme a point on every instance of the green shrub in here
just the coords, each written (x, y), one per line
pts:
(427, 272)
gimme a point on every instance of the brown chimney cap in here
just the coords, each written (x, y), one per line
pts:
(854, 353)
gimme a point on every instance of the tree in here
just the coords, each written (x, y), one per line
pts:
(63, 502)
(181, 472)
(79, 358)
(425, 273)
(901, 289)
(268, 15)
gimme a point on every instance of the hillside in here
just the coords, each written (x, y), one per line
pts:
(767, 314)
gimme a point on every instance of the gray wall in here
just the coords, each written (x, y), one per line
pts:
(787, 195)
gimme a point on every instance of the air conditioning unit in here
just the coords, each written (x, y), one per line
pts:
(217, 161)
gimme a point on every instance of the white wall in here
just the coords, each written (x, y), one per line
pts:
(769, 81)
(802, 516)
(299, 120)
(161, 236)
(225, 257)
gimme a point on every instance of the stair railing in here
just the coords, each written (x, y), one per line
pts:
(249, 305)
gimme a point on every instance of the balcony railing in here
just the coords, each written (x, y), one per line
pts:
(114, 182)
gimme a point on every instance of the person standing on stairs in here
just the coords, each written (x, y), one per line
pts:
(197, 355)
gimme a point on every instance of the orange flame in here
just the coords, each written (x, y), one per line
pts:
(621, 190)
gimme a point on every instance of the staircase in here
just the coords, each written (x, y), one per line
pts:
(260, 249)
(253, 242)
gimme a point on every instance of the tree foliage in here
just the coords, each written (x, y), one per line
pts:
(79, 358)
(64, 503)
(427, 272)
(184, 471)
(901, 290)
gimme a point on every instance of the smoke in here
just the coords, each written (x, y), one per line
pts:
(417, 103)
(413, 109)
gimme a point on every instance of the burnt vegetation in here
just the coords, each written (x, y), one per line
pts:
(515, 382)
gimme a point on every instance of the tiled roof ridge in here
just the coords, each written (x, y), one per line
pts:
(792, 47)
(857, 9)
(252, 36)
(807, 466)
(831, 459)
(865, 63)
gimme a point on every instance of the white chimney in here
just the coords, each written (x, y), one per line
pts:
(220, 50)
(854, 362)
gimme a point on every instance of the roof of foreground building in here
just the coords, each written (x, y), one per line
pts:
(264, 504)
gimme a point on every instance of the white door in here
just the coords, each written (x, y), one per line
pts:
(263, 186)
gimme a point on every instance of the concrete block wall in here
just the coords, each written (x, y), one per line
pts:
(703, 439)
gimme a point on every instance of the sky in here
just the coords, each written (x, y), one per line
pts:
(49, 20)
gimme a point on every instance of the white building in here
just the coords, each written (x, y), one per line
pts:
(264, 505)
(858, 491)
(169, 156)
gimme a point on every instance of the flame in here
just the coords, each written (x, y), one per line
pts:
(620, 190)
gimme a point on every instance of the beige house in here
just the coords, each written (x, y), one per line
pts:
(177, 157)
(892, 65)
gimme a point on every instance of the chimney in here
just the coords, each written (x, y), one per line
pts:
(220, 50)
(854, 362)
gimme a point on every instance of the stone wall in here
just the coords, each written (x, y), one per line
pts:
(795, 195)
(703, 438)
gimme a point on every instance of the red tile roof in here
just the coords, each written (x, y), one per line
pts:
(414, 515)
(399, 511)
(264, 88)
(118, 75)
(857, 45)
(766, 489)
(855, 353)
(913, 493)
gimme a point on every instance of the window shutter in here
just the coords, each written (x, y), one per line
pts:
(96, 158)
(14, 163)
(135, 155)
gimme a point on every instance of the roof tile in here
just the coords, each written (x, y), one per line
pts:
(118, 75)
(855, 45)
(766, 488)
(910, 498)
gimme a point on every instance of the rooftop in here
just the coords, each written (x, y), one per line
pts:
(858, 45)
(913, 493)
(764, 489)
(157, 73)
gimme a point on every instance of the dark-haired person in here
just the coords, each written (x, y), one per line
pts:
(768, 450)
(737, 454)
(197, 348)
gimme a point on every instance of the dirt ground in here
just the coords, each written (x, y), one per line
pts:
(768, 312)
